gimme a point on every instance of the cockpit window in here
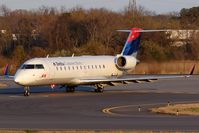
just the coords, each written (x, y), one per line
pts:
(39, 66)
(32, 66)
(27, 67)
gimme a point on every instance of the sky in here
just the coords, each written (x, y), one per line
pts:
(159, 6)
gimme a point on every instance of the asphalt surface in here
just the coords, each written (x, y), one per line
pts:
(116, 108)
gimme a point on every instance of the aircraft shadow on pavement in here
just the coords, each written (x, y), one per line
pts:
(43, 89)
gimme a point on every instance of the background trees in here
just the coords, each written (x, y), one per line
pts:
(37, 33)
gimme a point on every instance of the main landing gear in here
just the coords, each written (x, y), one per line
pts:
(99, 88)
(26, 91)
(70, 89)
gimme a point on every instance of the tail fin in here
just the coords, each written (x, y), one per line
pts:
(6, 70)
(132, 44)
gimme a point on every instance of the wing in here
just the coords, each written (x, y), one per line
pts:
(132, 79)
(129, 79)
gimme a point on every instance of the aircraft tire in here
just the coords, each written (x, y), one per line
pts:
(70, 89)
(26, 93)
(99, 90)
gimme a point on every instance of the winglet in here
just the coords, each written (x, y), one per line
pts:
(192, 70)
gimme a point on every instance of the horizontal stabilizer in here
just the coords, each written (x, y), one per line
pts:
(144, 31)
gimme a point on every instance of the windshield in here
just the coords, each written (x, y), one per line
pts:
(32, 66)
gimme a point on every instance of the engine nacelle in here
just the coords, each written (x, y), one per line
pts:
(125, 62)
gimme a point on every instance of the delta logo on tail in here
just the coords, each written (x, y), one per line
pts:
(132, 44)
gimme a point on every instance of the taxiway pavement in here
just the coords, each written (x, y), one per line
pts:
(84, 109)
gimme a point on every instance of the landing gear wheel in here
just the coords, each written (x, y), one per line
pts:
(70, 89)
(99, 90)
(26, 91)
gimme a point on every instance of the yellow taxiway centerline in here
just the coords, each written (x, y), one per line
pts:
(110, 109)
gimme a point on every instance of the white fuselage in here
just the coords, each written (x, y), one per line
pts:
(66, 70)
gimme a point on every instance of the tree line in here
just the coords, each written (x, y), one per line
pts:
(49, 31)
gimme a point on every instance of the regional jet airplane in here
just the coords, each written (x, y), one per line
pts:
(98, 71)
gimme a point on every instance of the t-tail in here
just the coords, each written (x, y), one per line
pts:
(133, 42)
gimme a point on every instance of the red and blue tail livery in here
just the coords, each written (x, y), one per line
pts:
(6, 70)
(132, 44)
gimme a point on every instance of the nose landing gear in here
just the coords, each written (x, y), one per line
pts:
(26, 91)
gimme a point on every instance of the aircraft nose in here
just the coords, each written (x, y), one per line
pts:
(17, 79)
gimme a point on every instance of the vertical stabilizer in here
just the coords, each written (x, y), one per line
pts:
(6, 70)
(132, 44)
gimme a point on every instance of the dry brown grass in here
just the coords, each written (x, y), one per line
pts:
(34, 131)
(171, 67)
(10, 131)
(93, 131)
(3, 85)
(97, 131)
(182, 109)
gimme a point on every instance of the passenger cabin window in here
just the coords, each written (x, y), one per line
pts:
(32, 66)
